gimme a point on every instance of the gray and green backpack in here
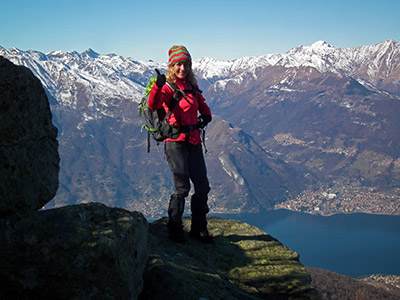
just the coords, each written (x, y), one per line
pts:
(156, 120)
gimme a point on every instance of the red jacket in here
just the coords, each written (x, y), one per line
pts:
(183, 114)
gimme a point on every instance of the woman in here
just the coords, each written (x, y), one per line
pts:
(183, 149)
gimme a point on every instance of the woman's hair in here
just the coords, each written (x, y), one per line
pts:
(170, 75)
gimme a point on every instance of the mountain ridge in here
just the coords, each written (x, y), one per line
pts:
(354, 62)
(320, 114)
(50, 253)
(319, 55)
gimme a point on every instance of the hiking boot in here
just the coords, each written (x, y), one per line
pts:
(176, 232)
(177, 237)
(202, 236)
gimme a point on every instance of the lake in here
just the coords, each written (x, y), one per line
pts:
(354, 244)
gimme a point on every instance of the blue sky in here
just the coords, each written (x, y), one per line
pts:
(224, 30)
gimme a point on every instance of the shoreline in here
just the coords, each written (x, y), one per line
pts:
(313, 213)
(324, 214)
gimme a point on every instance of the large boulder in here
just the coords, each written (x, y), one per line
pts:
(86, 251)
(29, 159)
(243, 263)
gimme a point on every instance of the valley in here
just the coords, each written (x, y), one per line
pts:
(289, 130)
(343, 200)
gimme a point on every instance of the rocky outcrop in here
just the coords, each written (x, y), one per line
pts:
(334, 286)
(29, 159)
(243, 263)
(94, 252)
(86, 251)
(91, 251)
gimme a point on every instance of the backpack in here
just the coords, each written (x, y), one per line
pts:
(156, 120)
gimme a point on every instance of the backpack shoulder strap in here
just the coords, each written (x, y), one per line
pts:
(179, 93)
(172, 85)
(177, 90)
(174, 101)
(195, 88)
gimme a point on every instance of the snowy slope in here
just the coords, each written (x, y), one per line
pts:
(103, 77)
(367, 64)
(94, 103)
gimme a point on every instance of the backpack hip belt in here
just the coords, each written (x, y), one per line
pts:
(174, 131)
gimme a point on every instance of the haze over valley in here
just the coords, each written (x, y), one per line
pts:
(315, 129)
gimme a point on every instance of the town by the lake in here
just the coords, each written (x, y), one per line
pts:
(343, 200)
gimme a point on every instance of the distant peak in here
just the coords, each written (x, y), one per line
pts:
(207, 59)
(90, 53)
(73, 53)
(14, 49)
(55, 53)
(390, 43)
(315, 47)
(320, 44)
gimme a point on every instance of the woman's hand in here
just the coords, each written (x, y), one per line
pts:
(203, 120)
(161, 79)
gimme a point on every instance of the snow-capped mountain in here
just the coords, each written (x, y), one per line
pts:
(317, 110)
(375, 66)
(108, 79)
(116, 76)
(106, 76)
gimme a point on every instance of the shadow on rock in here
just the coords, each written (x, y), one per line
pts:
(242, 263)
(86, 251)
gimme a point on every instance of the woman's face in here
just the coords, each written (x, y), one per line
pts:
(181, 69)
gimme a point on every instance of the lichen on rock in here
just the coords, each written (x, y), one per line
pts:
(29, 159)
(243, 263)
(86, 251)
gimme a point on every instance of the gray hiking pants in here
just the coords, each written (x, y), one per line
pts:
(186, 162)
